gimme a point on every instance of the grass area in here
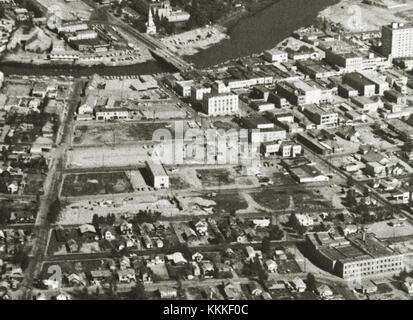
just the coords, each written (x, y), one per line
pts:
(214, 177)
(309, 200)
(144, 131)
(269, 199)
(34, 184)
(178, 183)
(280, 178)
(227, 203)
(96, 183)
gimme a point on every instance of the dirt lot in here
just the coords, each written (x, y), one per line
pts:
(214, 177)
(190, 42)
(384, 230)
(356, 16)
(106, 156)
(117, 133)
(67, 10)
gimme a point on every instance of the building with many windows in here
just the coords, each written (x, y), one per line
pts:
(220, 104)
(397, 40)
(323, 117)
(356, 256)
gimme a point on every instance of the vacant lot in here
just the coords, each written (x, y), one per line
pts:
(357, 16)
(178, 183)
(227, 203)
(215, 177)
(95, 183)
(271, 200)
(117, 133)
(34, 184)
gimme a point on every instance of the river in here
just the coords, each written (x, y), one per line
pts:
(262, 30)
(251, 34)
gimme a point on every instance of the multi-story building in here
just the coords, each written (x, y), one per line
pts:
(198, 91)
(397, 40)
(157, 175)
(275, 55)
(220, 104)
(262, 130)
(364, 86)
(300, 92)
(357, 256)
(184, 87)
(321, 116)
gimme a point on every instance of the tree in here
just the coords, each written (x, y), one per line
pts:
(350, 182)
(21, 258)
(95, 220)
(351, 197)
(266, 245)
(4, 215)
(138, 291)
(54, 211)
(276, 233)
(311, 282)
(111, 219)
(2, 11)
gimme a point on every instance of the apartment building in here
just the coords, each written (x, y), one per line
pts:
(397, 40)
(220, 104)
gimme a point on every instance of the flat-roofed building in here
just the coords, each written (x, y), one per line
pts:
(356, 256)
(275, 55)
(157, 175)
(402, 128)
(300, 92)
(363, 85)
(397, 40)
(220, 104)
(184, 87)
(323, 117)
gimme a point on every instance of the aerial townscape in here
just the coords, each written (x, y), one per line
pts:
(206, 150)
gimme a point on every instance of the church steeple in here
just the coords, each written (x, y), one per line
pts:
(150, 25)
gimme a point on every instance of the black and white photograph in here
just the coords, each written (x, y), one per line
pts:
(206, 158)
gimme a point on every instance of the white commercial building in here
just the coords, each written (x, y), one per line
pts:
(397, 40)
(220, 104)
(157, 175)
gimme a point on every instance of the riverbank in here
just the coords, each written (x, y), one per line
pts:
(262, 30)
(193, 41)
(231, 21)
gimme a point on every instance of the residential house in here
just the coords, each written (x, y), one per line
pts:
(176, 258)
(408, 285)
(207, 269)
(250, 253)
(126, 276)
(255, 288)
(299, 284)
(271, 265)
(167, 292)
(231, 291)
(324, 291)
